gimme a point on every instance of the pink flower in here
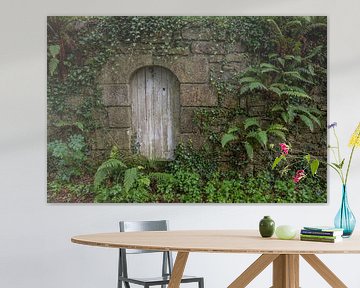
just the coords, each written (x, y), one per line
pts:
(284, 148)
(300, 174)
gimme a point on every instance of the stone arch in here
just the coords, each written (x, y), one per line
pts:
(155, 107)
(192, 73)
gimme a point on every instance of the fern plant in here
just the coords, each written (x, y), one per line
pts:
(252, 135)
(286, 81)
(116, 170)
(289, 76)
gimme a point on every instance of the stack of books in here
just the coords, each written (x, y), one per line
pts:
(321, 234)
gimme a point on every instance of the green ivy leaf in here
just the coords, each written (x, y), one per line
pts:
(307, 158)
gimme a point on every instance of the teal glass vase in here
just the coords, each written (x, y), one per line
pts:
(345, 219)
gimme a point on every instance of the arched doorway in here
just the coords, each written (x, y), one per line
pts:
(155, 111)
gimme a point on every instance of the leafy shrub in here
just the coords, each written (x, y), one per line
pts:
(66, 159)
(199, 161)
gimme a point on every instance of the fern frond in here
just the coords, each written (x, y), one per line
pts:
(257, 85)
(130, 176)
(275, 90)
(248, 122)
(249, 150)
(307, 122)
(161, 176)
(278, 133)
(260, 136)
(275, 27)
(314, 52)
(293, 23)
(247, 79)
(228, 137)
(108, 168)
(277, 126)
(313, 27)
(252, 86)
(296, 75)
(277, 108)
(296, 94)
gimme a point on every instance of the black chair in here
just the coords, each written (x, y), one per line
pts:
(167, 265)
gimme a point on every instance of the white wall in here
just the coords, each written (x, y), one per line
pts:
(35, 248)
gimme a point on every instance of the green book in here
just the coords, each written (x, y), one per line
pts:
(325, 240)
(323, 228)
(319, 236)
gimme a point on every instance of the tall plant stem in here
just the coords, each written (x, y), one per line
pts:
(339, 156)
(337, 144)
(348, 166)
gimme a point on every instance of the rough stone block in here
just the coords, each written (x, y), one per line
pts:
(216, 58)
(119, 117)
(180, 51)
(257, 110)
(191, 69)
(106, 138)
(235, 57)
(230, 101)
(196, 139)
(197, 95)
(235, 48)
(120, 68)
(116, 95)
(187, 117)
(101, 117)
(197, 33)
(234, 67)
(205, 47)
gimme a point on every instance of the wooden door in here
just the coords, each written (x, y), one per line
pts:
(155, 111)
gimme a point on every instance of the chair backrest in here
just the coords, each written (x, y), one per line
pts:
(134, 226)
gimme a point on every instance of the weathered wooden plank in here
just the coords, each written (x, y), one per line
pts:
(149, 133)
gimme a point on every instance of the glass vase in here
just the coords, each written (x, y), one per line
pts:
(345, 219)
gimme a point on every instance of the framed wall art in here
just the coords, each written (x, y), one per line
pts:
(187, 109)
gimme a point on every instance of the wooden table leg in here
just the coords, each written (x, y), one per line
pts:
(286, 271)
(178, 270)
(253, 270)
(324, 271)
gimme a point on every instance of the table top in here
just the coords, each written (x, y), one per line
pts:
(217, 241)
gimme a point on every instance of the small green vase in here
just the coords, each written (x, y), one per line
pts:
(266, 226)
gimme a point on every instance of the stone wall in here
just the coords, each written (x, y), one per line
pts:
(198, 54)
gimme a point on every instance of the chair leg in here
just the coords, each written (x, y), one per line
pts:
(201, 283)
